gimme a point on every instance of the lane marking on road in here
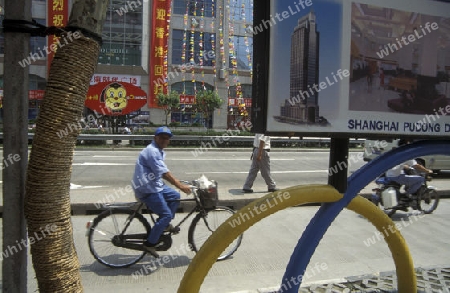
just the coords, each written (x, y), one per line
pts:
(230, 159)
(99, 156)
(76, 186)
(245, 172)
(132, 164)
(102, 164)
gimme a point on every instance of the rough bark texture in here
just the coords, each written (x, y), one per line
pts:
(47, 201)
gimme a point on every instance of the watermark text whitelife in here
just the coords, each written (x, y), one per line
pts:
(391, 229)
(179, 69)
(23, 243)
(10, 160)
(279, 17)
(72, 127)
(247, 126)
(47, 50)
(411, 38)
(268, 204)
(316, 88)
(427, 121)
(155, 263)
(287, 283)
(124, 191)
(130, 5)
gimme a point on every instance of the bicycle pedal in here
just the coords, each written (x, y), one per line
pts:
(175, 230)
(172, 229)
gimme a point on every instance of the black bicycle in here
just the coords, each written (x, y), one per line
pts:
(116, 236)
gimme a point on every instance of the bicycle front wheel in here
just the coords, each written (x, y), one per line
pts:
(113, 228)
(204, 224)
(428, 201)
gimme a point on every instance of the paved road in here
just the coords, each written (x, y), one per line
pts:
(103, 175)
(114, 168)
(350, 248)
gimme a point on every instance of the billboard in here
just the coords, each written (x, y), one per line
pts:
(352, 68)
(115, 98)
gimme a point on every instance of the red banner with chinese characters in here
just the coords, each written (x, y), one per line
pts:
(36, 94)
(234, 102)
(115, 98)
(187, 99)
(58, 15)
(158, 50)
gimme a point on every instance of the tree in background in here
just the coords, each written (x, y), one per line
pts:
(207, 101)
(168, 101)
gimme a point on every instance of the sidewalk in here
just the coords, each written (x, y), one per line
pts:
(347, 264)
(260, 262)
(429, 279)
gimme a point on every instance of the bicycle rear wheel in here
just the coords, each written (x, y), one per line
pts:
(428, 201)
(203, 225)
(105, 237)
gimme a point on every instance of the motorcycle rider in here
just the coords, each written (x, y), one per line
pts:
(401, 175)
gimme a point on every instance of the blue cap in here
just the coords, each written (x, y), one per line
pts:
(163, 130)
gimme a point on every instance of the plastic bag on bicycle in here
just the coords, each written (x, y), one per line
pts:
(207, 192)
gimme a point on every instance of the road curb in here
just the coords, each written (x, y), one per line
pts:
(81, 209)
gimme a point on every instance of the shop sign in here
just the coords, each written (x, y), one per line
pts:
(115, 98)
(133, 79)
(36, 94)
(187, 99)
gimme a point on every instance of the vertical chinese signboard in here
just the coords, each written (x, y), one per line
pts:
(58, 15)
(158, 51)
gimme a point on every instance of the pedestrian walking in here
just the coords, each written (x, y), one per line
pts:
(260, 162)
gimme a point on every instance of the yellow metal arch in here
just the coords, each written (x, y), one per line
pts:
(279, 200)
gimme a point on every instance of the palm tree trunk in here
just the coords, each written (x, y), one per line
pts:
(47, 200)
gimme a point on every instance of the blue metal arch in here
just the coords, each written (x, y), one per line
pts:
(327, 213)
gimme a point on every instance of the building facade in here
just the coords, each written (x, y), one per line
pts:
(210, 46)
(304, 73)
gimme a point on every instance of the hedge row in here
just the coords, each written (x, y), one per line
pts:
(204, 143)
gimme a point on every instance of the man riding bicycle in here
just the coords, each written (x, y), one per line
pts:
(148, 185)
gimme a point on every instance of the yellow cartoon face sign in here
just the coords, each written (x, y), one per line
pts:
(115, 97)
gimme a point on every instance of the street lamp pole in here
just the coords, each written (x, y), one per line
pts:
(15, 150)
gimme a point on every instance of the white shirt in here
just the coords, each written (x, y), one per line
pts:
(398, 170)
(261, 137)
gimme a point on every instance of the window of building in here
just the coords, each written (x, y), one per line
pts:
(241, 9)
(204, 8)
(36, 82)
(189, 88)
(187, 114)
(246, 90)
(202, 42)
(243, 52)
(122, 34)
(37, 43)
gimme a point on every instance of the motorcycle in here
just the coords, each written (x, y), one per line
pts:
(391, 198)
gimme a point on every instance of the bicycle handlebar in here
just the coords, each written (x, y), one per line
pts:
(189, 183)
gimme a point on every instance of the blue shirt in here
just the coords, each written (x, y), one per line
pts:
(149, 170)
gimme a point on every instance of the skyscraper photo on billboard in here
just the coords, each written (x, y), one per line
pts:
(306, 53)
